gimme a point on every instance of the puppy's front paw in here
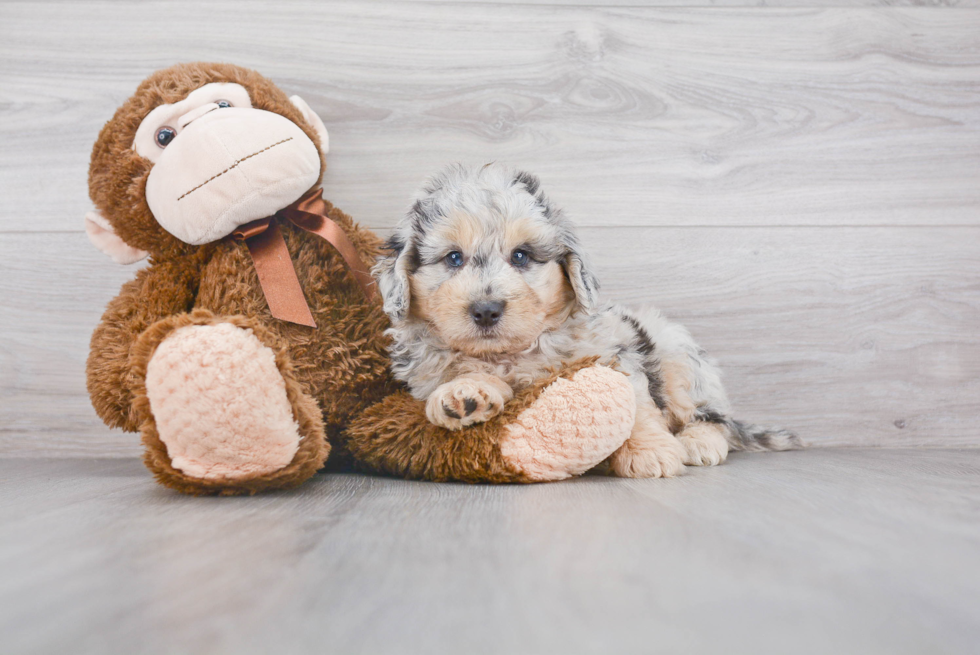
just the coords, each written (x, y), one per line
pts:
(663, 459)
(704, 443)
(462, 402)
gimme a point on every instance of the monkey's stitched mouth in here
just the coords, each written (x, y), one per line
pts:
(233, 166)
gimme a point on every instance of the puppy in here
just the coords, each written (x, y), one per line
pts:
(488, 290)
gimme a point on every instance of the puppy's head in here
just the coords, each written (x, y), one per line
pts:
(486, 261)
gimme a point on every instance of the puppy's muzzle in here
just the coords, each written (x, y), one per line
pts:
(486, 314)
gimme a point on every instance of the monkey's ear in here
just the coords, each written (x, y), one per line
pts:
(314, 121)
(101, 235)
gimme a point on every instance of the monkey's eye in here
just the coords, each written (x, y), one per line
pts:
(454, 259)
(164, 136)
(223, 104)
(520, 258)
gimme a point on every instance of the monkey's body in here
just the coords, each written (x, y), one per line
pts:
(341, 366)
(231, 400)
(346, 362)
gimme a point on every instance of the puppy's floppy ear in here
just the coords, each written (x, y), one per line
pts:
(573, 259)
(392, 271)
(579, 271)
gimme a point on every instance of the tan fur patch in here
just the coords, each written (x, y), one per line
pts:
(677, 385)
(462, 230)
(522, 231)
(559, 291)
(444, 306)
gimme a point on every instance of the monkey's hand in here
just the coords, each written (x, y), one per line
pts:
(467, 400)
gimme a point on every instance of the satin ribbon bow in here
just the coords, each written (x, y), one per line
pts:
(275, 267)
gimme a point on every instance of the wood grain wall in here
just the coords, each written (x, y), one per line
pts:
(799, 184)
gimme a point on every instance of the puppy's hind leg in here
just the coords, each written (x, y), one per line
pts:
(651, 451)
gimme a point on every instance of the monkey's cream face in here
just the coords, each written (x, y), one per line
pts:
(219, 163)
(489, 283)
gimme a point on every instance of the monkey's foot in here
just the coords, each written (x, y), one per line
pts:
(573, 425)
(220, 403)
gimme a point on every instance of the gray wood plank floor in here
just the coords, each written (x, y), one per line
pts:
(829, 551)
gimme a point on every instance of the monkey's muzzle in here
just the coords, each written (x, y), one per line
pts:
(228, 168)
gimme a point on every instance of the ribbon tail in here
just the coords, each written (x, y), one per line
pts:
(278, 277)
(310, 214)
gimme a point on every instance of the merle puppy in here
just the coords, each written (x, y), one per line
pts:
(488, 290)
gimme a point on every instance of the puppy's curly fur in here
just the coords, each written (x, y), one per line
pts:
(488, 290)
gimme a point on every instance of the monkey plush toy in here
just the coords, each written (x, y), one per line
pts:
(252, 345)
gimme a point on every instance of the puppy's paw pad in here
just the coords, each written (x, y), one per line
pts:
(463, 402)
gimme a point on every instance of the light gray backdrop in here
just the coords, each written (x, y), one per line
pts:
(800, 184)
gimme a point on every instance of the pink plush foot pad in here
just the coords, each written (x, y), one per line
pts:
(572, 426)
(220, 403)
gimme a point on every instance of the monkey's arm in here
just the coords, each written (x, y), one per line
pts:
(159, 291)
(560, 426)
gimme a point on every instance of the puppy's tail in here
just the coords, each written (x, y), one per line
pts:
(748, 437)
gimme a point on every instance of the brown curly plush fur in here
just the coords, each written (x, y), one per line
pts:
(395, 437)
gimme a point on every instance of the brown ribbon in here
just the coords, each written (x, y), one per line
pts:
(275, 267)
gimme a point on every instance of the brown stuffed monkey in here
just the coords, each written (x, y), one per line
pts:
(253, 343)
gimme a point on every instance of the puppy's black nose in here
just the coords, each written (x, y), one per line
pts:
(486, 314)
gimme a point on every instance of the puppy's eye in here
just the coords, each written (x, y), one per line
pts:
(455, 259)
(164, 136)
(520, 258)
(223, 104)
